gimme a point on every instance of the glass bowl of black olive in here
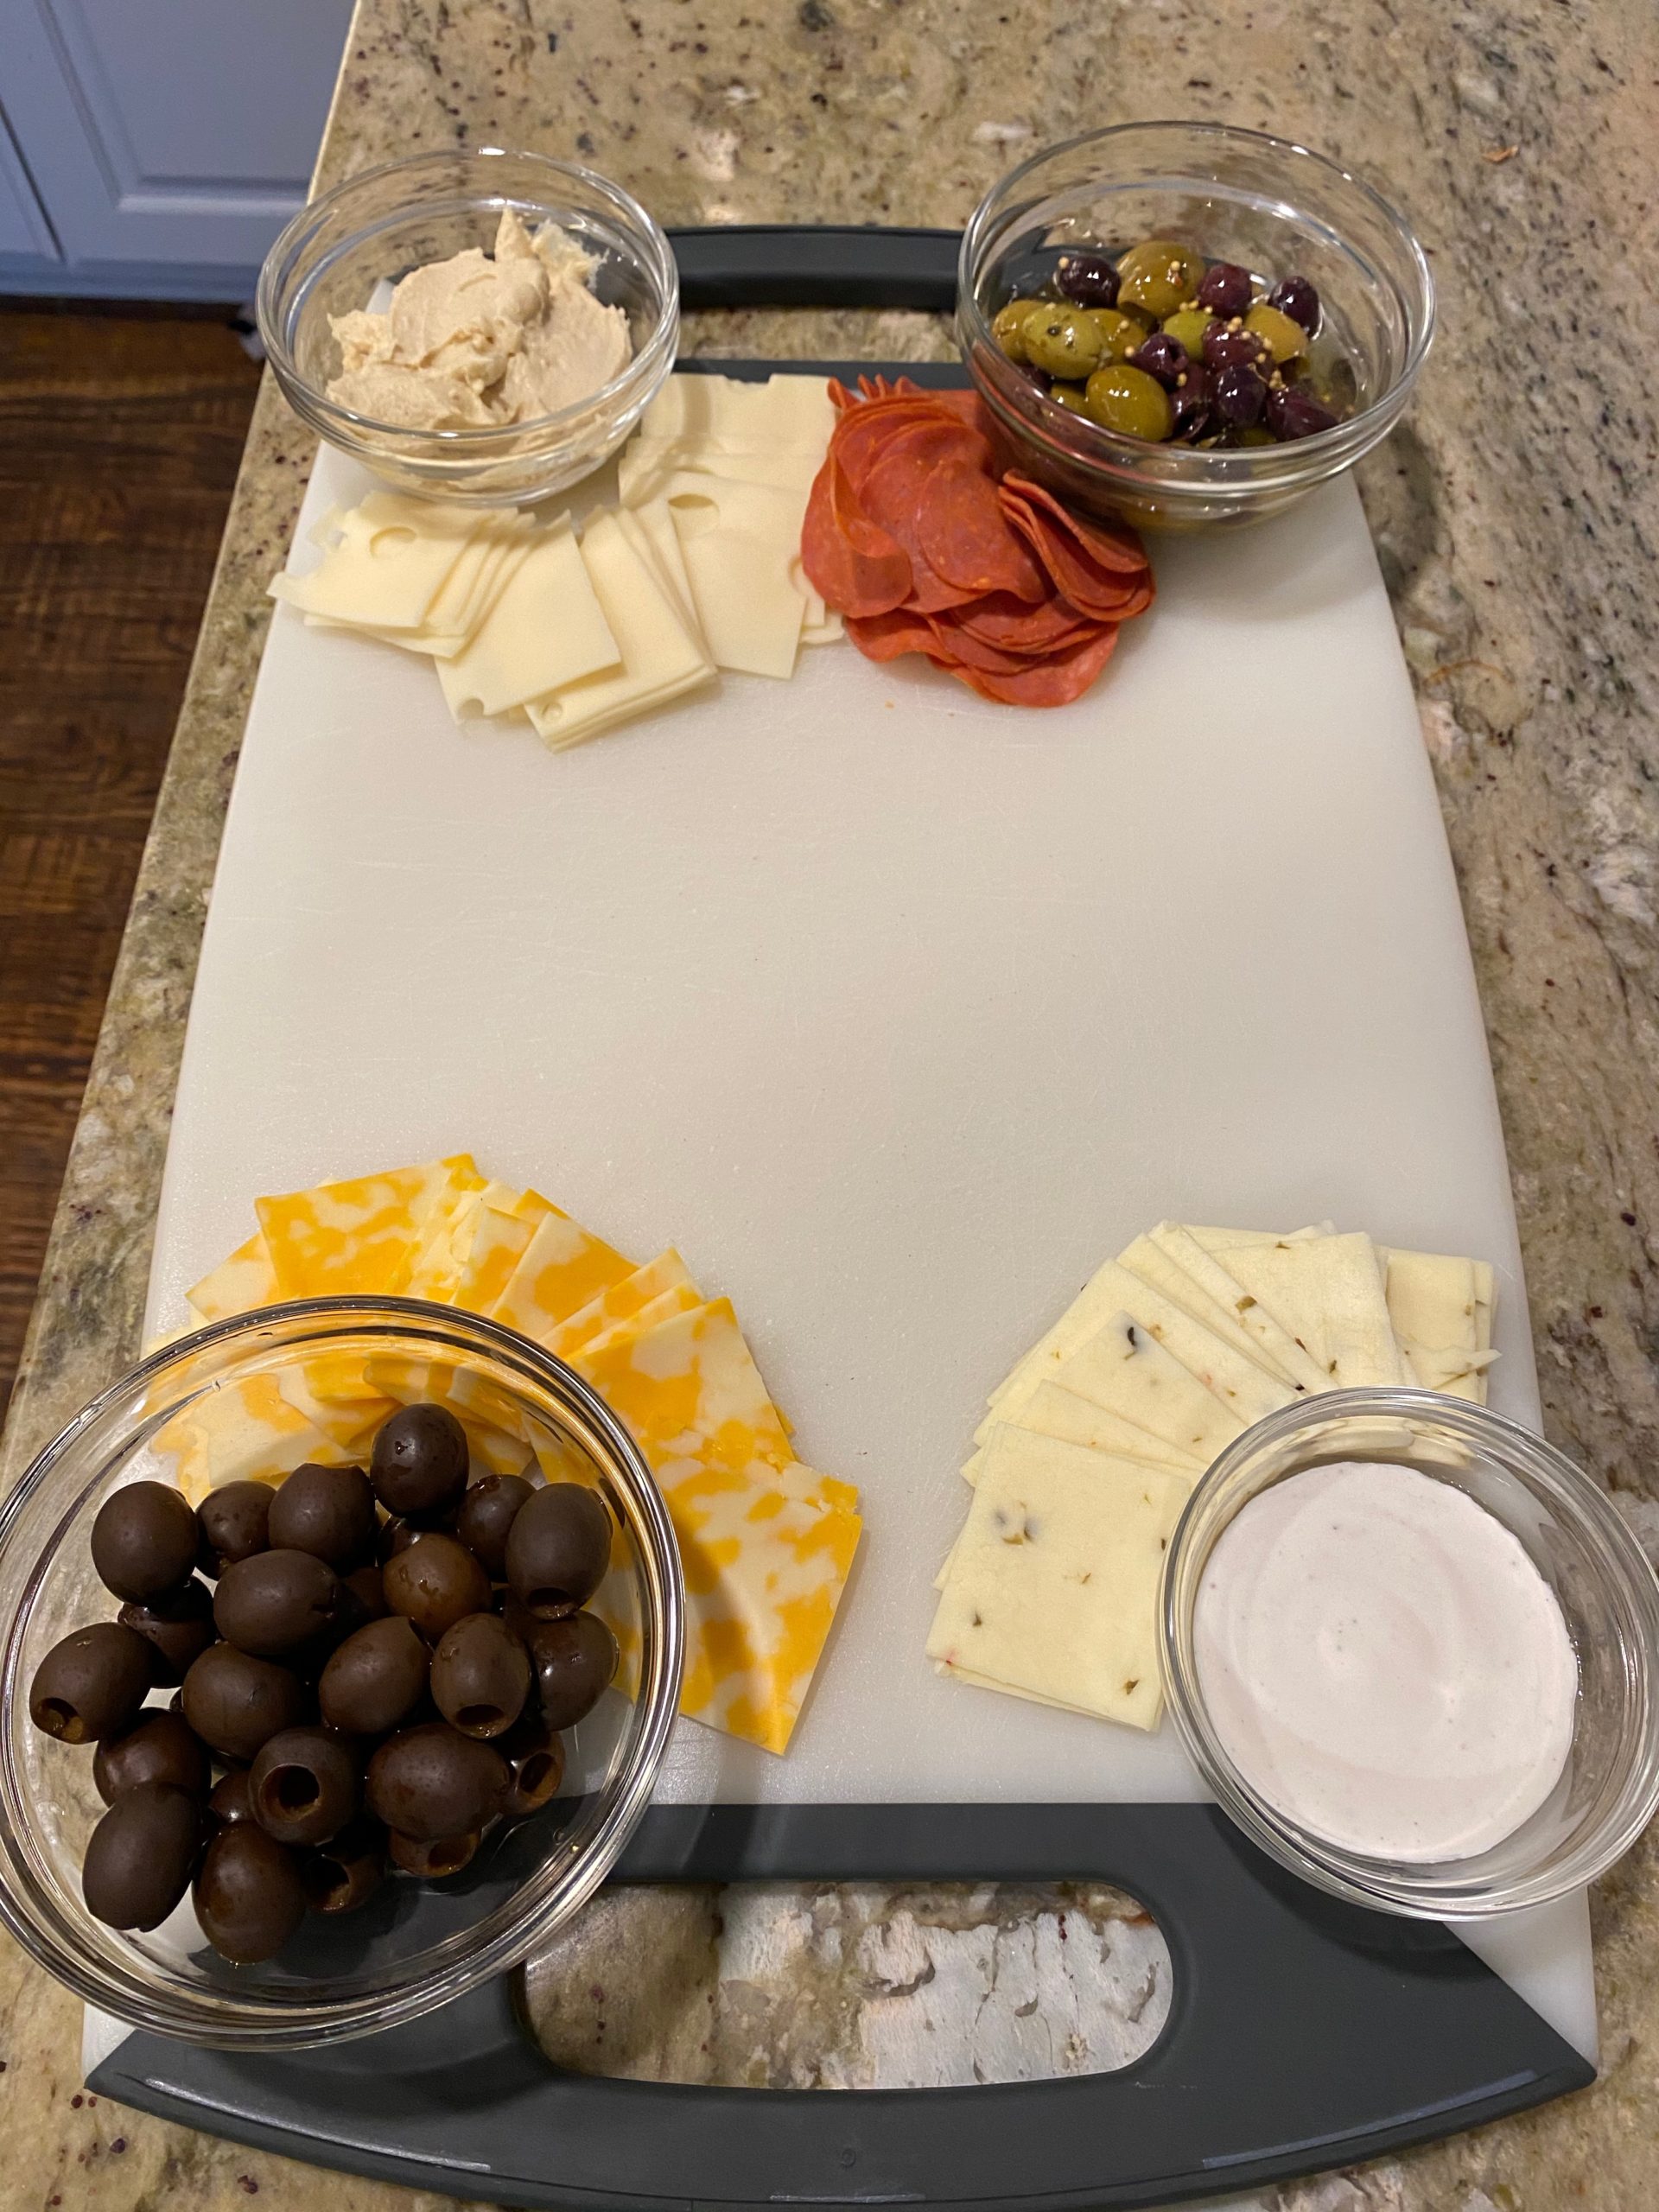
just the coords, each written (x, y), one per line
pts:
(295, 1749)
(1188, 325)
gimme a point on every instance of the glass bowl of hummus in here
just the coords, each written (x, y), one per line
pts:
(484, 327)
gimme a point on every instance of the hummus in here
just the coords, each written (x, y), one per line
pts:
(476, 343)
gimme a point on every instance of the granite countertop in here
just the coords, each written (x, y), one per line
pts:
(1516, 516)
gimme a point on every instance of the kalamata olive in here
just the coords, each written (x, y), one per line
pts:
(559, 1547)
(1226, 289)
(1296, 297)
(396, 1535)
(480, 1675)
(275, 1602)
(328, 1511)
(1232, 349)
(428, 1782)
(1161, 356)
(91, 1684)
(375, 1679)
(234, 1521)
(434, 1581)
(232, 1798)
(487, 1512)
(139, 1856)
(435, 1857)
(1294, 413)
(1193, 396)
(574, 1660)
(304, 1785)
(143, 1540)
(345, 1872)
(249, 1896)
(1090, 279)
(535, 1759)
(368, 1597)
(178, 1626)
(235, 1702)
(159, 1748)
(420, 1459)
(1240, 396)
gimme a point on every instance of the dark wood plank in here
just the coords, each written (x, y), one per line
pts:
(120, 432)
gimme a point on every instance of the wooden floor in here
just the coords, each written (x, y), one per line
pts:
(120, 432)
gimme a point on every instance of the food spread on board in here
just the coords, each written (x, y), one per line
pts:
(1383, 1662)
(1161, 345)
(767, 1542)
(927, 543)
(480, 341)
(577, 626)
(370, 1687)
(1091, 1446)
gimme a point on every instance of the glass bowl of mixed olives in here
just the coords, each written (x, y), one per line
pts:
(1188, 325)
(296, 1749)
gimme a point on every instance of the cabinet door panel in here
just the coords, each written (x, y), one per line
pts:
(25, 234)
(169, 130)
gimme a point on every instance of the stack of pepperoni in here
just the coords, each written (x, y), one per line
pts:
(927, 546)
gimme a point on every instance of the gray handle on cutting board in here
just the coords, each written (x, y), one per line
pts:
(815, 265)
(1303, 2033)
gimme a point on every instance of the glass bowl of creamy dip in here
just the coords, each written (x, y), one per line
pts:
(485, 327)
(1415, 1652)
(414, 1945)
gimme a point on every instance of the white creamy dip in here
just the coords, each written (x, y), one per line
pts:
(1384, 1663)
(475, 341)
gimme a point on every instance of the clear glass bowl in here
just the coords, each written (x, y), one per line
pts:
(414, 1946)
(1235, 195)
(379, 226)
(1610, 1787)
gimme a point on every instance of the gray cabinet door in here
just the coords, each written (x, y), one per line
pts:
(169, 134)
(25, 235)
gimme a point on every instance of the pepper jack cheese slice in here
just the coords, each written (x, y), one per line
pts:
(1125, 1370)
(1263, 1336)
(1055, 1411)
(1053, 1585)
(349, 1238)
(1328, 1293)
(1435, 1313)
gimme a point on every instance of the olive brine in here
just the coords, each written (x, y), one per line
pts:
(1162, 345)
(358, 1688)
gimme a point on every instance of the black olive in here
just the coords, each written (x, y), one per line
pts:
(480, 1675)
(344, 1872)
(434, 1859)
(91, 1684)
(428, 1782)
(328, 1511)
(143, 1540)
(160, 1748)
(232, 1799)
(535, 1759)
(420, 1461)
(487, 1512)
(139, 1856)
(558, 1548)
(573, 1660)
(304, 1785)
(276, 1603)
(249, 1896)
(178, 1626)
(234, 1522)
(235, 1702)
(375, 1679)
(434, 1582)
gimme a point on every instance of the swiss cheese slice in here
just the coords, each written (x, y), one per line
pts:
(546, 630)
(1053, 1585)
(787, 413)
(391, 560)
(738, 540)
(650, 529)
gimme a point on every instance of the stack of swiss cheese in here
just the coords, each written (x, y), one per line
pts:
(765, 1541)
(578, 626)
(1093, 1443)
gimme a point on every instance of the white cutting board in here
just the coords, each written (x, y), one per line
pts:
(896, 1011)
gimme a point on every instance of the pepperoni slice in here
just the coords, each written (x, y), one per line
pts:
(885, 637)
(1052, 682)
(1102, 597)
(894, 496)
(972, 651)
(964, 534)
(1113, 545)
(1018, 628)
(849, 561)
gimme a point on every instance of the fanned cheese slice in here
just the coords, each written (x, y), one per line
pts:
(738, 540)
(1328, 1293)
(785, 414)
(546, 630)
(619, 1302)
(1247, 1389)
(650, 529)
(764, 1576)
(1148, 1260)
(350, 1422)
(678, 1298)
(503, 1226)
(351, 1238)
(1053, 1585)
(1434, 1311)
(393, 556)
(689, 1389)
(1263, 1334)
(243, 1432)
(436, 1271)
(1127, 1371)
(1057, 1412)
(564, 1267)
(1218, 1240)
(238, 1285)
(473, 586)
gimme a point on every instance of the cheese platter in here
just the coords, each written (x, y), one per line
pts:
(865, 882)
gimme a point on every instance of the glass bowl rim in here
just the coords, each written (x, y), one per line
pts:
(1330, 1867)
(298, 2022)
(1377, 417)
(474, 437)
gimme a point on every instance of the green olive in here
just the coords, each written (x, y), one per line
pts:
(1136, 313)
(1160, 274)
(1008, 327)
(1254, 433)
(1284, 339)
(1064, 342)
(1127, 400)
(1187, 326)
(1069, 395)
(1119, 333)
